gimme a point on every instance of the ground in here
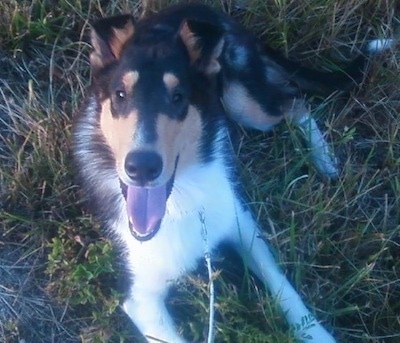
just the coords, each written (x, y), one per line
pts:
(338, 241)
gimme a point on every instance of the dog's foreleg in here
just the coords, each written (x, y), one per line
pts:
(321, 154)
(259, 259)
(147, 310)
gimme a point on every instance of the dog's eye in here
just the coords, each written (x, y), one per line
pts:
(120, 95)
(177, 97)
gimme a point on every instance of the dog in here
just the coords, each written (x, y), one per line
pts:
(151, 144)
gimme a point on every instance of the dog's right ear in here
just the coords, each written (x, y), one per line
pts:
(204, 43)
(108, 37)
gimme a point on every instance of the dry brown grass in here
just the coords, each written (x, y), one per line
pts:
(339, 241)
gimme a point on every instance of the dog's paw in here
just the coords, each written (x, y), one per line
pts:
(321, 153)
(326, 163)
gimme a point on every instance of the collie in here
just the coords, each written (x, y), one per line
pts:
(152, 148)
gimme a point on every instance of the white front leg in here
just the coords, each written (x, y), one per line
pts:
(257, 256)
(148, 312)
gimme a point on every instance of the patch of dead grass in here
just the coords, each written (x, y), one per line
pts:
(339, 241)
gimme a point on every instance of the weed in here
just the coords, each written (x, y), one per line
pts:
(339, 241)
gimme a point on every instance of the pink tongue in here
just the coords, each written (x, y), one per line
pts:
(146, 207)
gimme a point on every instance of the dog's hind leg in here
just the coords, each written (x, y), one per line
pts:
(242, 107)
(321, 153)
(257, 256)
(262, 101)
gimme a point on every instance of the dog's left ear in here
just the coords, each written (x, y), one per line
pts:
(108, 37)
(204, 43)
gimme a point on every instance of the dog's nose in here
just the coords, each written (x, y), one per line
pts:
(143, 166)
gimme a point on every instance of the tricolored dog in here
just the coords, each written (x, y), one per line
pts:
(152, 148)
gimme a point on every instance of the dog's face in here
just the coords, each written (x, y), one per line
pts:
(147, 79)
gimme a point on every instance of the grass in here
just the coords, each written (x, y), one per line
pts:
(339, 241)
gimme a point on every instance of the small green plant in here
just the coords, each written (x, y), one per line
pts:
(306, 323)
(338, 242)
(81, 275)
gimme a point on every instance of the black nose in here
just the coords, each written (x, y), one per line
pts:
(143, 166)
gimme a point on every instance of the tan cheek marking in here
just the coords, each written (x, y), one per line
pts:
(179, 138)
(245, 110)
(129, 79)
(118, 133)
(170, 81)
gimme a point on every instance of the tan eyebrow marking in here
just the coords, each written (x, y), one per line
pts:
(171, 81)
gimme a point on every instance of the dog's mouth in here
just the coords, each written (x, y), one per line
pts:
(146, 207)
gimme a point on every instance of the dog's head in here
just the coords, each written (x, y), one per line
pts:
(152, 82)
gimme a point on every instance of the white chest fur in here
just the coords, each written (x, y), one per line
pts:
(199, 192)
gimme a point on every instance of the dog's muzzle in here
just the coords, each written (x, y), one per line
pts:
(145, 206)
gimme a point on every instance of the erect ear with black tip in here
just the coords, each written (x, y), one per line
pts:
(204, 43)
(108, 37)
